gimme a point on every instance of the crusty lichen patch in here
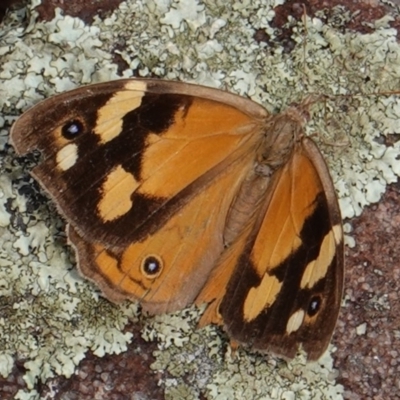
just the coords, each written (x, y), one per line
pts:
(49, 316)
(201, 362)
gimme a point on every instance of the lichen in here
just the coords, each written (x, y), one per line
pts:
(50, 316)
(202, 363)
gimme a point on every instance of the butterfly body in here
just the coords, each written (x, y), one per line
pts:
(175, 194)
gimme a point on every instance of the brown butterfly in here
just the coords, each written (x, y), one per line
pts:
(177, 194)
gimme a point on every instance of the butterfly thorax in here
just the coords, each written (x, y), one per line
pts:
(282, 133)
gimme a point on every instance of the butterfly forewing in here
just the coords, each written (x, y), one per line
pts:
(131, 155)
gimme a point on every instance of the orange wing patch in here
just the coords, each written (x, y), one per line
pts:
(198, 140)
(292, 202)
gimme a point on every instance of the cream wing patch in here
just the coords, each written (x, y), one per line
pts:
(261, 297)
(109, 118)
(318, 268)
(295, 321)
(67, 157)
(116, 194)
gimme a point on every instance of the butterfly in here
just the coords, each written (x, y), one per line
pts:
(177, 194)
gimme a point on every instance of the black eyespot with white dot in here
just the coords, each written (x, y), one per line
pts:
(152, 266)
(314, 306)
(72, 129)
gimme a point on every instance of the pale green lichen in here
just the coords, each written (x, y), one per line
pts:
(207, 366)
(50, 316)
